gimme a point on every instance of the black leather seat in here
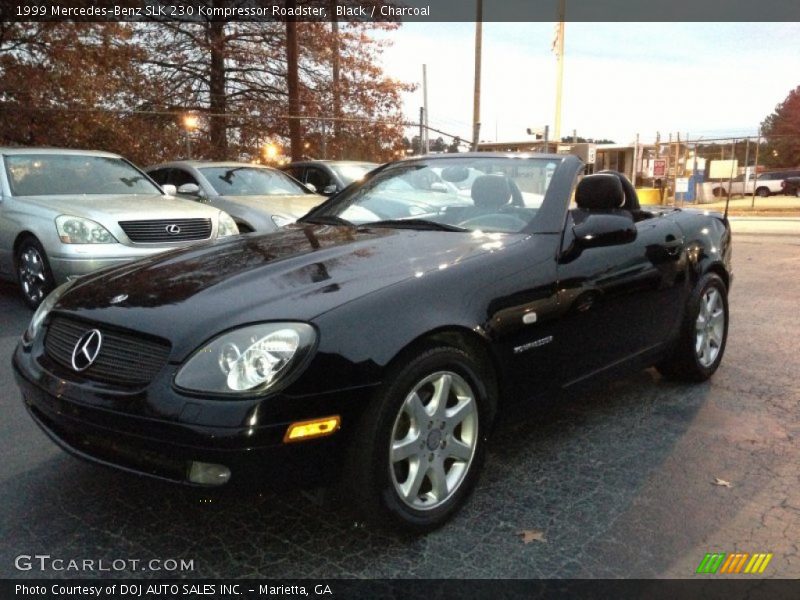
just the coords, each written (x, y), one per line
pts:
(601, 191)
(631, 197)
(491, 192)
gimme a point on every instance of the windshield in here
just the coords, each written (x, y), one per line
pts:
(350, 172)
(475, 193)
(74, 174)
(251, 181)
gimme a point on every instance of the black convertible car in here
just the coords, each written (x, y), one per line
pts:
(375, 349)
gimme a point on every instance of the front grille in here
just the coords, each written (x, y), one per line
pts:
(124, 358)
(156, 231)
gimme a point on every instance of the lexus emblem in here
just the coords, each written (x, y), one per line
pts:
(86, 350)
(173, 229)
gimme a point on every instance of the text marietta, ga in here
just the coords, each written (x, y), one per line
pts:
(139, 590)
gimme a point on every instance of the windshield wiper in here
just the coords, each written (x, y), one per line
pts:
(326, 220)
(421, 224)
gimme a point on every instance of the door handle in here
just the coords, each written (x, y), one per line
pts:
(673, 246)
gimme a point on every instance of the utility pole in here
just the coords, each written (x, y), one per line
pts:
(546, 138)
(559, 68)
(426, 142)
(476, 101)
(635, 161)
(293, 84)
(421, 147)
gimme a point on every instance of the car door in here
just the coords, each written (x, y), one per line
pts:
(619, 302)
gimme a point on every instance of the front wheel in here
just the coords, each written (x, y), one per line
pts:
(762, 192)
(33, 272)
(420, 445)
(704, 333)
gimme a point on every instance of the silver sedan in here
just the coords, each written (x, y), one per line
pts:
(259, 198)
(66, 213)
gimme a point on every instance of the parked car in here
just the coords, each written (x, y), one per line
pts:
(66, 213)
(329, 176)
(259, 198)
(791, 186)
(378, 350)
(765, 185)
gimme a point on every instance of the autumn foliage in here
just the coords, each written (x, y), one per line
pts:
(124, 87)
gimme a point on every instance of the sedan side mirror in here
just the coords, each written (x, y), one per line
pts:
(190, 189)
(594, 229)
(169, 189)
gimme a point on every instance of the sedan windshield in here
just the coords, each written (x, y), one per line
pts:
(350, 172)
(449, 194)
(251, 181)
(74, 174)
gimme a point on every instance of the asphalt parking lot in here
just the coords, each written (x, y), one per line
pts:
(616, 481)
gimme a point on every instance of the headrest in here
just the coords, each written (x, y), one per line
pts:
(491, 191)
(631, 197)
(600, 191)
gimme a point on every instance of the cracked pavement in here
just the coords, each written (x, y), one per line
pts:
(619, 477)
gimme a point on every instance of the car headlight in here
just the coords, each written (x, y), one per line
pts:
(248, 360)
(77, 230)
(227, 226)
(41, 313)
(280, 220)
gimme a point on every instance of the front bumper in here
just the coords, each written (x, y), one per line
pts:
(74, 260)
(106, 430)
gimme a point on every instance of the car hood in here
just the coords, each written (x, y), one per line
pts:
(290, 206)
(296, 273)
(121, 207)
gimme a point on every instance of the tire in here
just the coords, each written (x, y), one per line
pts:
(33, 271)
(420, 484)
(719, 192)
(762, 192)
(701, 343)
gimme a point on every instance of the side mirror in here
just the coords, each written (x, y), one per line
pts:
(169, 189)
(329, 190)
(311, 187)
(190, 189)
(594, 229)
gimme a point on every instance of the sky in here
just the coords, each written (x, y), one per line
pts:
(620, 79)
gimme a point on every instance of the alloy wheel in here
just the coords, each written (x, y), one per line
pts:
(32, 274)
(433, 440)
(709, 327)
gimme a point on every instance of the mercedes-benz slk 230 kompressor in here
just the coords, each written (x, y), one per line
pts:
(378, 349)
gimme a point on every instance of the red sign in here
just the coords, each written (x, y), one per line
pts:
(659, 167)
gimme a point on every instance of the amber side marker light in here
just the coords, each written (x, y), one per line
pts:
(306, 430)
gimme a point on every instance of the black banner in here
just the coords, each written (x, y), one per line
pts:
(400, 589)
(399, 10)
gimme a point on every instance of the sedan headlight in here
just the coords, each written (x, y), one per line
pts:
(227, 226)
(77, 230)
(248, 360)
(41, 313)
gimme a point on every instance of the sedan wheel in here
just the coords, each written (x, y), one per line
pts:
(433, 440)
(33, 272)
(418, 449)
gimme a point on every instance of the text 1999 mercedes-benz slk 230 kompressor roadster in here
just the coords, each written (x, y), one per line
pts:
(377, 338)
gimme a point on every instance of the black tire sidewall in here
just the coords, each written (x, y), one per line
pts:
(384, 411)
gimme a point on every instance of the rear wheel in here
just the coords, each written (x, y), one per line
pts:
(719, 192)
(704, 332)
(33, 272)
(418, 450)
(762, 192)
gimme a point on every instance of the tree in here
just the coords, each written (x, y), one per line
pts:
(438, 145)
(76, 86)
(782, 130)
(125, 86)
